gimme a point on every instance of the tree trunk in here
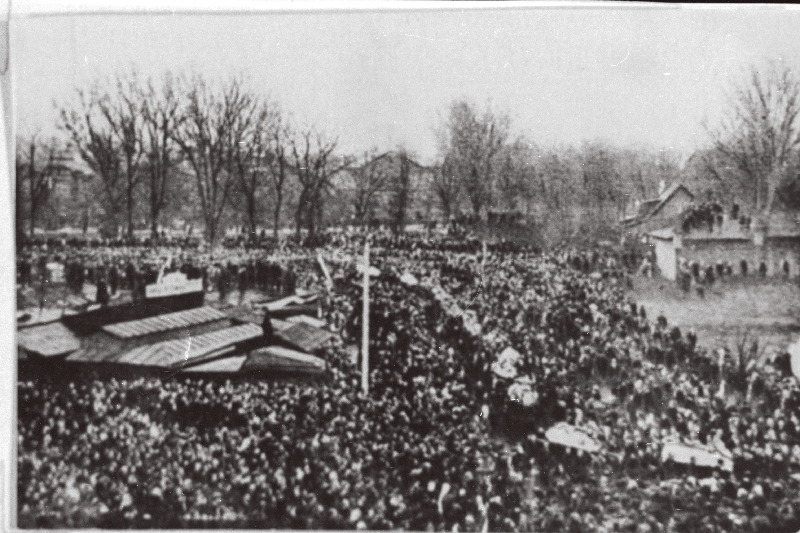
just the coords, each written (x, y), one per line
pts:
(129, 209)
(251, 214)
(298, 215)
(445, 208)
(154, 210)
(33, 206)
(211, 231)
(277, 217)
(32, 188)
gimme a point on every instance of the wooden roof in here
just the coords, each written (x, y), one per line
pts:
(305, 319)
(288, 302)
(48, 340)
(279, 359)
(165, 322)
(305, 337)
(227, 365)
(29, 317)
(180, 351)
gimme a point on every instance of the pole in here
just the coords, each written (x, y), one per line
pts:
(365, 324)
(483, 259)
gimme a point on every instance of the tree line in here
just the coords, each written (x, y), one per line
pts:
(207, 150)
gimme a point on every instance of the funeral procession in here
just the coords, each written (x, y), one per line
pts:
(463, 270)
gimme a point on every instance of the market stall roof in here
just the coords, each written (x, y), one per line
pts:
(181, 351)
(280, 359)
(36, 316)
(227, 365)
(48, 340)
(305, 319)
(304, 337)
(280, 325)
(288, 301)
(165, 322)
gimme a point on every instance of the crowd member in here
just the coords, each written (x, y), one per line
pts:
(443, 441)
(706, 215)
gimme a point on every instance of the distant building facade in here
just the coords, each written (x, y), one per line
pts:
(731, 245)
(422, 203)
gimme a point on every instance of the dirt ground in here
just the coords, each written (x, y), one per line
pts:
(765, 309)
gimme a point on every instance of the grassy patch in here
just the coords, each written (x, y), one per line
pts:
(767, 309)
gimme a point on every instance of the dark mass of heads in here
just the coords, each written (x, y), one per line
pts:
(443, 441)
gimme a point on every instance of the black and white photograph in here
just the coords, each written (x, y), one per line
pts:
(457, 267)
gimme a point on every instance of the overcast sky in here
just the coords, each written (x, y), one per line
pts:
(627, 76)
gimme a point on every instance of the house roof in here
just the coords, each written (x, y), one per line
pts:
(783, 224)
(668, 193)
(649, 208)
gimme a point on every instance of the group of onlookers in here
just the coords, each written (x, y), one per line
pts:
(441, 441)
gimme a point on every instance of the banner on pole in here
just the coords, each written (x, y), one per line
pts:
(325, 272)
(794, 354)
(365, 322)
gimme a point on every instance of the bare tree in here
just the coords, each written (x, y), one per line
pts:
(760, 133)
(401, 191)
(369, 177)
(789, 192)
(278, 167)
(747, 353)
(601, 179)
(252, 157)
(471, 143)
(314, 165)
(36, 166)
(516, 174)
(107, 130)
(162, 117)
(448, 186)
(213, 123)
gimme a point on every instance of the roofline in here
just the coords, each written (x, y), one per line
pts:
(670, 195)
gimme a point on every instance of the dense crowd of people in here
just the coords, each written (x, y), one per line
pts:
(442, 441)
(706, 215)
(132, 268)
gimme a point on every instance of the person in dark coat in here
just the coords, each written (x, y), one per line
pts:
(266, 326)
(130, 275)
(222, 283)
(102, 292)
(113, 278)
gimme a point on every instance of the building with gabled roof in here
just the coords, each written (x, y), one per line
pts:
(731, 246)
(659, 212)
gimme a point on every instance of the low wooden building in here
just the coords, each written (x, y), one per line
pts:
(741, 250)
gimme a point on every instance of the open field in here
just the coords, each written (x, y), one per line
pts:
(768, 310)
